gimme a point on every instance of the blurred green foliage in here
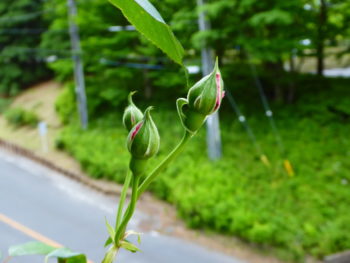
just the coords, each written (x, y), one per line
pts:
(305, 214)
(21, 117)
(20, 62)
(4, 103)
(295, 216)
(271, 32)
(107, 82)
(65, 104)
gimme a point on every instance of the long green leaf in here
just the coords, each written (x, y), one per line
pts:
(147, 20)
(30, 248)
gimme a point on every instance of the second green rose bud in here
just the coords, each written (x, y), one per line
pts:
(143, 140)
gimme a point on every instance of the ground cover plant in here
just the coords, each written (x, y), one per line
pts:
(297, 216)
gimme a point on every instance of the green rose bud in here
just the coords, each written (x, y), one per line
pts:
(203, 99)
(143, 142)
(206, 95)
(132, 114)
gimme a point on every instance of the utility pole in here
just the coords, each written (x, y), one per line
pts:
(78, 64)
(212, 123)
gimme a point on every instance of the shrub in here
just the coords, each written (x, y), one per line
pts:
(4, 103)
(65, 104)
(21, 117)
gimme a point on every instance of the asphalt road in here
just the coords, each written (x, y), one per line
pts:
(36, 202)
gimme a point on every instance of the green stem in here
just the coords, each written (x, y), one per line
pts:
(110, 255)
(136, 193)
(171, 156)
(129, 212)
(122, 198)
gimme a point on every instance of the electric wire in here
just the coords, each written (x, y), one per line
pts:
(269, 114)
(131, 65)
(29, 31)
(242, 119)
(267, 108)
(38, 50)
(26, 17)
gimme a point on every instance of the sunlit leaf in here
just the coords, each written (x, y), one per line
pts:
(147, 20)
(30, 248)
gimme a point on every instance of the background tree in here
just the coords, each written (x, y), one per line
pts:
(21, 26)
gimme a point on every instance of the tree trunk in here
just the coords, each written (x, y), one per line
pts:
(321, 35)
(146, 84)
(291, 90)
(276, 73)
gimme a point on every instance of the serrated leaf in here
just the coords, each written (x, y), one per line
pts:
(147, 20)
(68, 256)
(110, 230)
(30, 248)
(129, 246)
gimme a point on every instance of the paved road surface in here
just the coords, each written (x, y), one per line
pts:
(37, 201)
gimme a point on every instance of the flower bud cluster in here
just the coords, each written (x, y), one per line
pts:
(203, 99)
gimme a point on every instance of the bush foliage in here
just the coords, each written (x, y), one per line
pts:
(238, 195)
(21, 117)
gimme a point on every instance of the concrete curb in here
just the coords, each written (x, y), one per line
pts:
(107, 188)
(341, 257)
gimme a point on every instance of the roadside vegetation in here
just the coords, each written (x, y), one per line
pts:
(305, 214)
(21, 117)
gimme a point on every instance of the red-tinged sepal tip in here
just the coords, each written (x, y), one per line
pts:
(132, 115)
(136, 130)
(143, 142)
(143, 139)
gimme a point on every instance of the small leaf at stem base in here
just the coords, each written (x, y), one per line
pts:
(110, 230)
(129, 246)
